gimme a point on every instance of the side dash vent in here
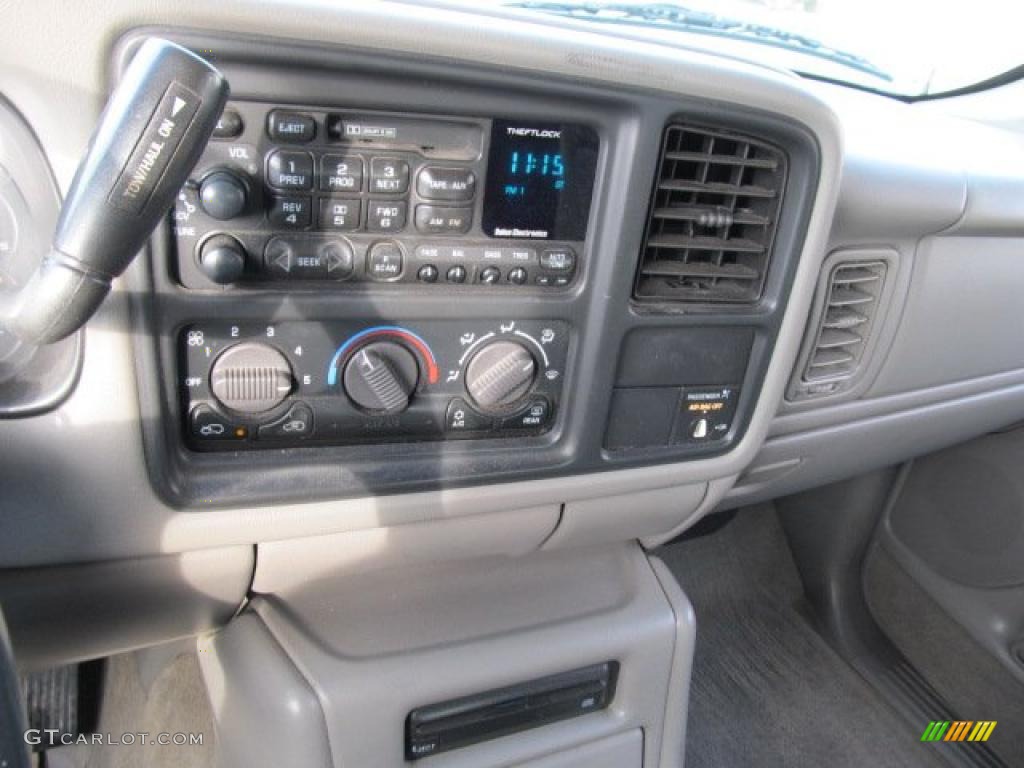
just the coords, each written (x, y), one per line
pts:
(713, 218)
(845, 328)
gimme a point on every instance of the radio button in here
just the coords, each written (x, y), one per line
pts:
(384, 261)
(558, 260)
(490, 275)
(339, 214)
(433, 220)
(279, 258)
(290, 213)
(291, 127)
(338, 258)
(341, 173)
(448, 184)
(456, 274)
(386, 216)
(517, 276)
(427, 274)
(389, 175)
(290, 170)
(229, 125)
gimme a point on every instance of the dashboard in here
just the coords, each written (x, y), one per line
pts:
(543, 271)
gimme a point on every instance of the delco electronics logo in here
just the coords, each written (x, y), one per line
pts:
(535, 133)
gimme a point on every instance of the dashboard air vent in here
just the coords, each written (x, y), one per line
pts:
(851, 305)
(713, 217)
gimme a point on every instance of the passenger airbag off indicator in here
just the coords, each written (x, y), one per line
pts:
(705, 414)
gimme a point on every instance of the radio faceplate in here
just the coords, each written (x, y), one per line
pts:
(257, 385)
(335, 199)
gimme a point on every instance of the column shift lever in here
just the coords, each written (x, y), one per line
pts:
(150, 135)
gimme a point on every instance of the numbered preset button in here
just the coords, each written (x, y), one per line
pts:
(386, 215)
(288, 169)
(341, 173)
(290, 213)
(389, 175)
(341, 215)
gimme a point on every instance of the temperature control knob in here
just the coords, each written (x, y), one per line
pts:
(251, 378)
(381, 377)
(500, 375)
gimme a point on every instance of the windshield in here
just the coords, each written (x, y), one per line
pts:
(903, 47)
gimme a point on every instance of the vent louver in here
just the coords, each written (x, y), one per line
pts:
(713, 217)
(851, 305)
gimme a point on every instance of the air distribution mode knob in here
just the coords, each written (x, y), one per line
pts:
(251, 377)
(500, 375)
(381, 377)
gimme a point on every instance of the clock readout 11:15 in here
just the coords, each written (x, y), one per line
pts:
(533, 167)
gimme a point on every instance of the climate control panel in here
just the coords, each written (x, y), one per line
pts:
(247, 386)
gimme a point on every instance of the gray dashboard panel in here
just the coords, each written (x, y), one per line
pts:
(112, 497)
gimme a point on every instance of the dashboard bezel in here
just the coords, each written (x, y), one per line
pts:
(629, 123)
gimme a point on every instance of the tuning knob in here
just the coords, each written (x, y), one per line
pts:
(223, 195)
(380, 377)
(222, 259)
(500, 375)
(251, 378)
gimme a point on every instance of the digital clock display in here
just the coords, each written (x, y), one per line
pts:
(540, 179)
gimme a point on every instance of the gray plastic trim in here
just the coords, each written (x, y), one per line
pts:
(69, 613)
(255, 690)
(475, 625)
(993, 617)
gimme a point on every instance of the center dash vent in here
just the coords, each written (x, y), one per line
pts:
(845, 327)
(713, 217)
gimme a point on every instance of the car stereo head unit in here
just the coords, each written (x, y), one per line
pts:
(337, 198)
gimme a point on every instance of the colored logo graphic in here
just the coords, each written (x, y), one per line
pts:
(958, 730)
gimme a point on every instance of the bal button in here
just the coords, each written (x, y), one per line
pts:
(456, 274)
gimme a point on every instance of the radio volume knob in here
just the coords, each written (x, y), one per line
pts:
(223, 195)
(500, 375)
(381, 377)
(251, 377)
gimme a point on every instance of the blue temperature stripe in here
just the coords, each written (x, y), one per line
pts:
(332, 369)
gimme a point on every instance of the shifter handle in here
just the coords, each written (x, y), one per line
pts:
(155, 125)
